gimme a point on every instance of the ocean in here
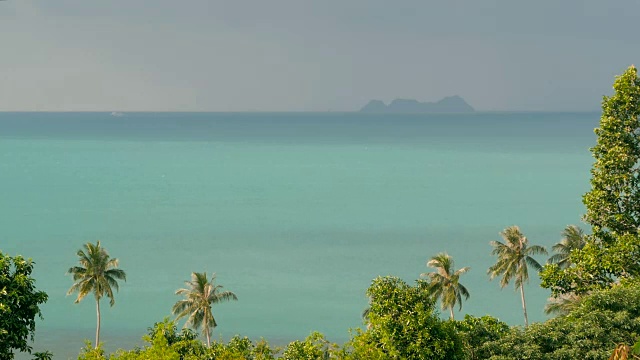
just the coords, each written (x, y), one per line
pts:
(296, 213)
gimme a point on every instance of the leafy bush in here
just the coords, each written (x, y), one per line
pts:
(19, 305)
(601, 320)
(476, 331)
(314, 347)
(403, 324)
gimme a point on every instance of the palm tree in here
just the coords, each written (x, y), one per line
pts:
(97, 273)
(43, 355)
(562, 304)
(514, 259)
(444, 283)
(199, 295)
(572, 238)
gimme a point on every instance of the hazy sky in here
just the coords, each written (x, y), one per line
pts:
(304, 55)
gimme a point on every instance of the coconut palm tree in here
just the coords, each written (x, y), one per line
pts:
(514, 259)
(572, 238)
(444, 283)
(97, 274)
(562, 304)
(200, 294)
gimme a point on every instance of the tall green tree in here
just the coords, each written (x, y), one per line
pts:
(444, 282)
(612, 252)
(97, 273)
(404, 325)
(573, 238)
(514, 258)
(19, 305)
(199, 295)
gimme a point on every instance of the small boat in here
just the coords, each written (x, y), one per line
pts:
(117, 114)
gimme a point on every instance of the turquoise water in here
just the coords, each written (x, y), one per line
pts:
(296, 213)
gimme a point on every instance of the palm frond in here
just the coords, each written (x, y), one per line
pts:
(462, 271)
(557, 258)
(522, 275)
(112, 263)
(111, 282)
(109, 291)
(533, 263)
(224, 296)
(463, 291)
(94, 273)
(181, 308)
(535, 250)
(198, 297)
(444, 281)
(563, 304)
(85, 288)
(116, 274)
(573, 239)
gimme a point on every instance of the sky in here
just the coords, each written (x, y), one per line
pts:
(311, 55)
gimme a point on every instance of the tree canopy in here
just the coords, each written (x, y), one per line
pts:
(19, 305)
(405, 325)
(611, 253)
(590, 331)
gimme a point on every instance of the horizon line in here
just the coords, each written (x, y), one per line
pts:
(299, 112)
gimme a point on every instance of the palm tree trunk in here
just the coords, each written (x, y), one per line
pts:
(207, 329)
(524, 306)
(451, 312)
(98, 327)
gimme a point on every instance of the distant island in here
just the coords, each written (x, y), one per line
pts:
(450, 104)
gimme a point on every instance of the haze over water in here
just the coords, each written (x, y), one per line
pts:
(295, 212)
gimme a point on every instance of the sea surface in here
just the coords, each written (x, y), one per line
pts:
(296, 213)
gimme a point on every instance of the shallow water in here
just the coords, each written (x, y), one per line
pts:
(296, 213)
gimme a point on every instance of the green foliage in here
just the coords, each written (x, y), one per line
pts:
(159, 349)
(314, 347)
(476, 331)
(262, 351)
(165, 342)
(362, 345)
(613, 203)
(42, 355)
(241, 348)
(19, 305)
(600, 321)
(444, 283)
(404, 325)
(89, 352)
(169, 331)
(184, 343)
